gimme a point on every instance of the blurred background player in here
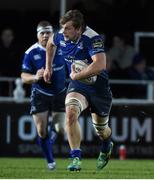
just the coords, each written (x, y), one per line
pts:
(121, 52)
(81, 43)
(45, 97)
(138, 70)
(10, 53)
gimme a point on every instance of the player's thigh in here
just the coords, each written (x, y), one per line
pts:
(39, 102)
(76, 100)
(100, 105)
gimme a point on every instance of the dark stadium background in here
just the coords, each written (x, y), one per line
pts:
(105, 16)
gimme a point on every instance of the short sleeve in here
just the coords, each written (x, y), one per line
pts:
(96, 45)
(56, 39)
(27, 63)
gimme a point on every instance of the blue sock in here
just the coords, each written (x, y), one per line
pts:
(52, 133)
(75, 153)
(46, 147)
(53, 136)
(105, 146)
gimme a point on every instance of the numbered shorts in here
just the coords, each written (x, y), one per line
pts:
(41, 102)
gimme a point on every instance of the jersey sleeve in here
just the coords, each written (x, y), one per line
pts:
(95, 45)
(56, 39)
(27, 63)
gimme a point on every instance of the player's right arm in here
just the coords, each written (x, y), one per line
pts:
(50, 52)
(29, 78)
(29, 75)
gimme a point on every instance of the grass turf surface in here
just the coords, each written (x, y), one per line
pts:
(35, 168)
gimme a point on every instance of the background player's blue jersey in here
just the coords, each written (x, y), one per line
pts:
(89, 44)
(34, 59)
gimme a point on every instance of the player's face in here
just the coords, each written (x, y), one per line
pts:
(70, 32)
(43, 38)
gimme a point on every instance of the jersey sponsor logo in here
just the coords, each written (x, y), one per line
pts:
(98, 43)
(37, 57)
(62, 43)
(70, 59)
(58, 68)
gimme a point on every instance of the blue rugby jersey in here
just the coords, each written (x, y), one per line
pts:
(89, 44)
(34, 59)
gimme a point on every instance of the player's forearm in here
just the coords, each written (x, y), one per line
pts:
(28, 78)
(95, 68)
(90, 71)
(49, 55)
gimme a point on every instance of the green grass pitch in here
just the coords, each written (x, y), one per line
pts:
(35, 168)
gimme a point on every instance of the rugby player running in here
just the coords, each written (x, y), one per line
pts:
(79, 42)
(46, 99)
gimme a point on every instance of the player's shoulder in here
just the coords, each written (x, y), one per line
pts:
(90, 33)
(59, 32)
(34, 47)
(57, 37)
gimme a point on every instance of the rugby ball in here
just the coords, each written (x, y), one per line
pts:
(79, 66)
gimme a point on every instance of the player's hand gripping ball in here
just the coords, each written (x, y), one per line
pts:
(79, 66)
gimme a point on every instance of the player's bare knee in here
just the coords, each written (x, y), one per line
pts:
(59, 122)
(59, 129)
(73, 110)
(42, 134)
(72, 104)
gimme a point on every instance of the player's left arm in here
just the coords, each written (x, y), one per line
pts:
(98, 64)
(95, 48)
